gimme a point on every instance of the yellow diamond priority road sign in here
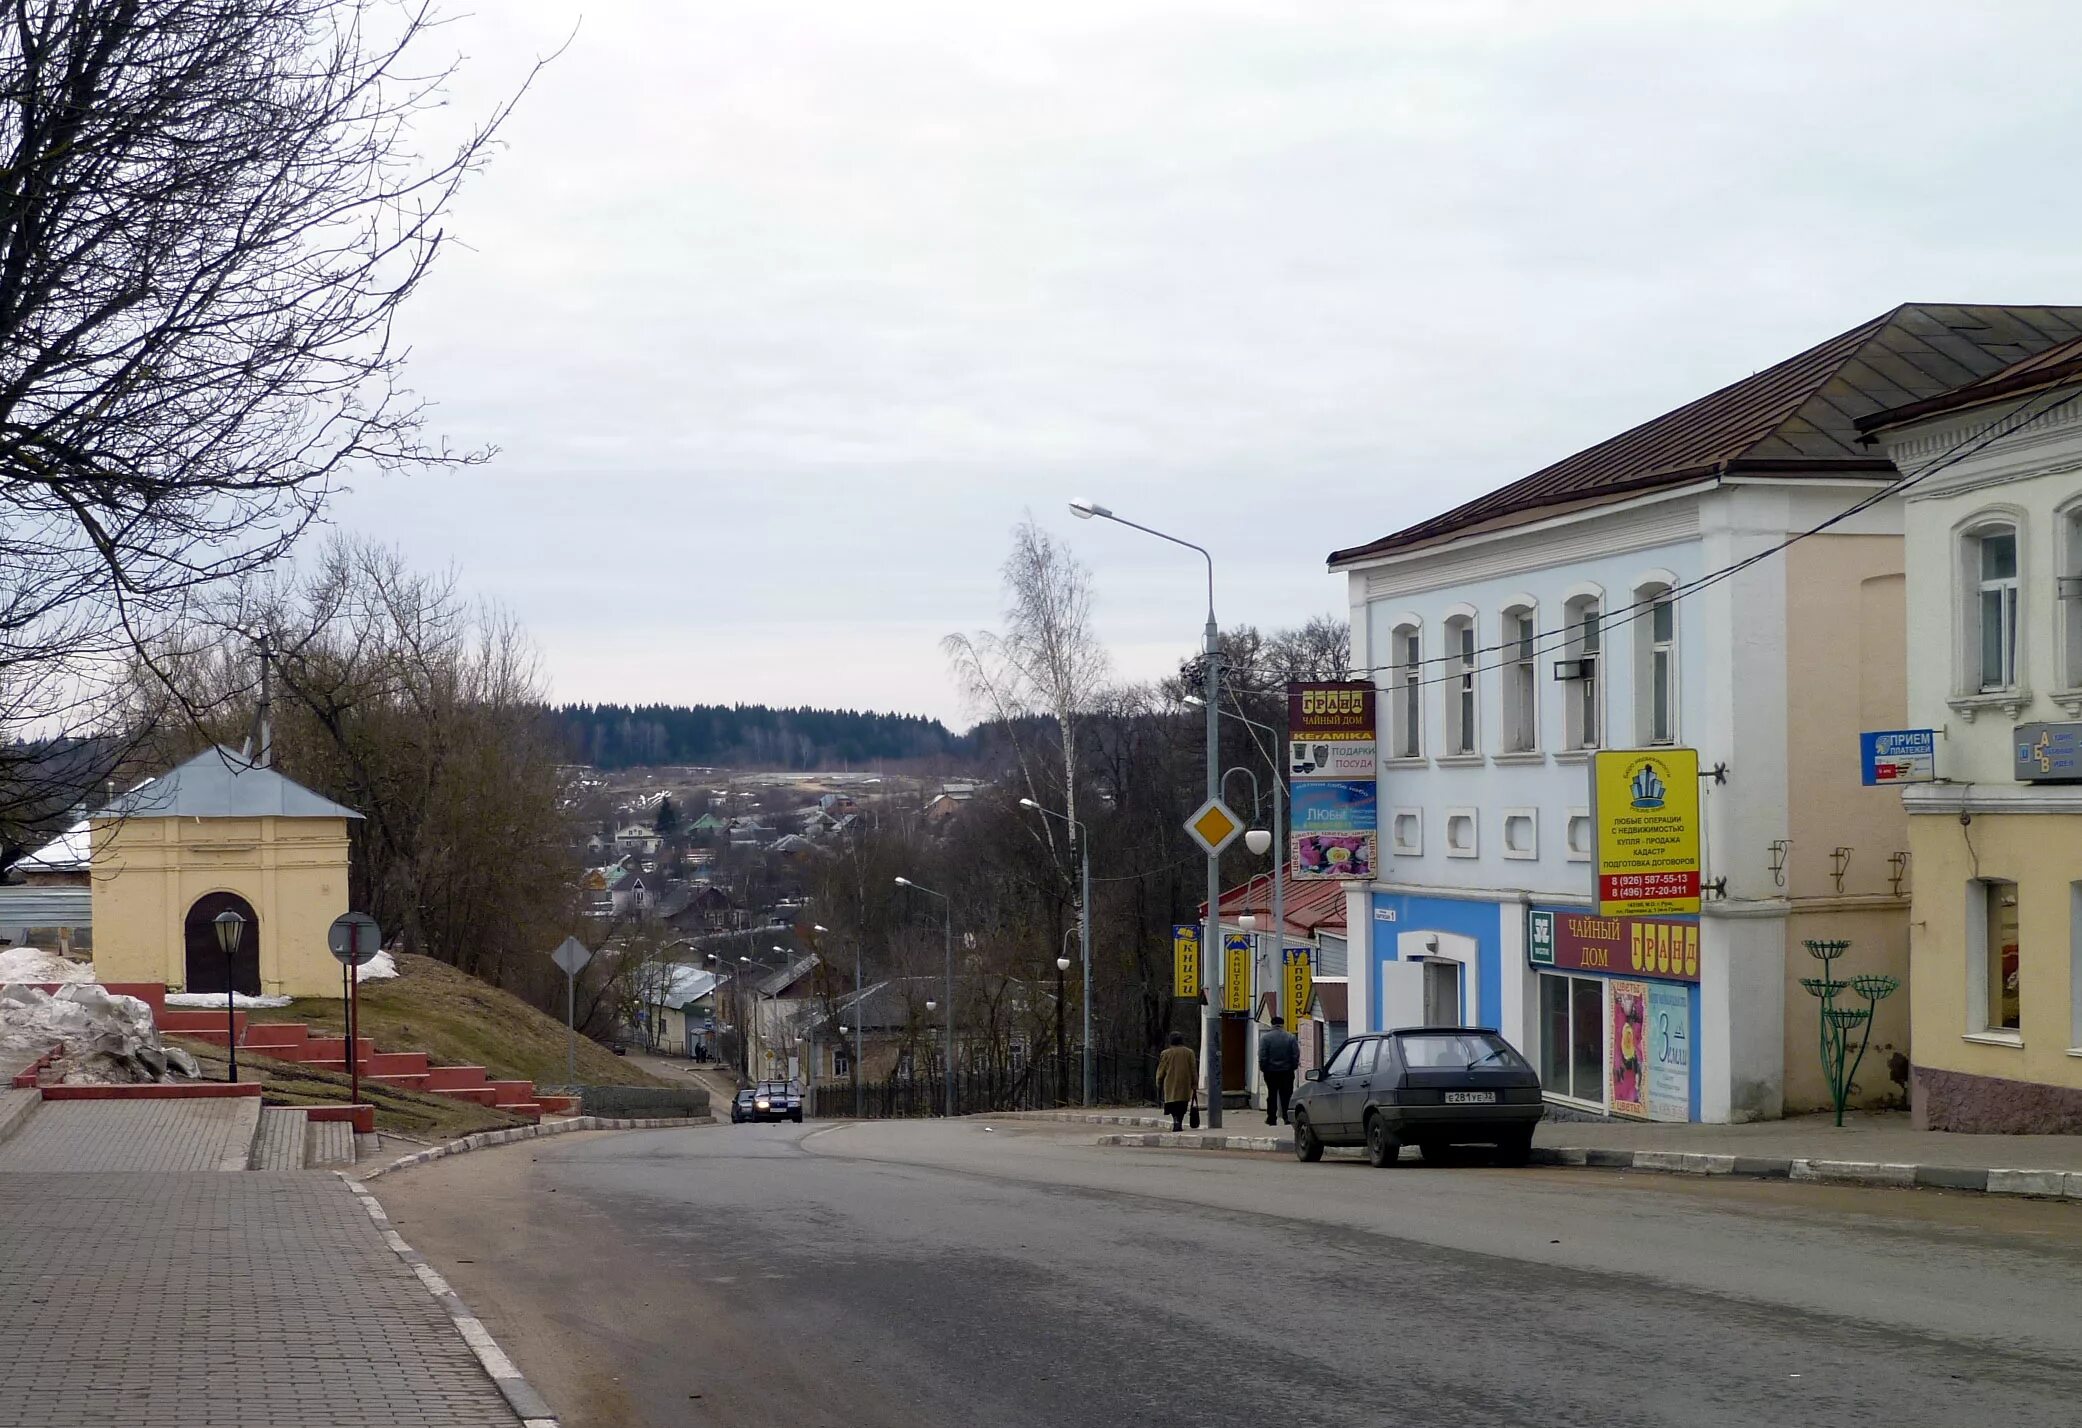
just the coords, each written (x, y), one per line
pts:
(1213, 826)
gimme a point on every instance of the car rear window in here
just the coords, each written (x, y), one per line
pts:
(1455, 1050)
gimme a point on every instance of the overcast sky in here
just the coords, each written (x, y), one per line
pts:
(781, 314)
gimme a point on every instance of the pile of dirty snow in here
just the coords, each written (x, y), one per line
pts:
(377, 968)
(33, 964)
(102, 1039)
(214, 1001)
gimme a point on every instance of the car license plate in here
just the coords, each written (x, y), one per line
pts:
(1471, 1098)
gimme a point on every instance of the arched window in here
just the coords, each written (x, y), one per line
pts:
(1654, 619)
(1521, 677)
(1579, 673)
(1990, 558)
(1406, 691)
(1462, 725)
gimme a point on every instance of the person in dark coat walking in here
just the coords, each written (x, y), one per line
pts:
(1279, 1057)
(1177, 1073)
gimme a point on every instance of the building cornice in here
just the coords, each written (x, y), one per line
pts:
(1992, 798)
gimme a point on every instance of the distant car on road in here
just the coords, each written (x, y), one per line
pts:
(1434, 1086)
(768, 1101)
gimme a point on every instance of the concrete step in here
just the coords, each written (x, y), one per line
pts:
(278, 1143)
(395, 1063)
(329, 1144)
(203, 1023)
(558, 1105)
(452, 1078)
(403, 1081)
(514, 1093)
(482, 1095)
(276, 1034)
(526, 1110)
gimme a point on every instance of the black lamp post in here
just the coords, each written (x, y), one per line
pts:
(230, 928)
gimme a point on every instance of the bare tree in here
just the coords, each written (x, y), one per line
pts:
(210, 214)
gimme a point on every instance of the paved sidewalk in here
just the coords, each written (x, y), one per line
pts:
(264, 1300)
(105, 1136)
(1867, 1149)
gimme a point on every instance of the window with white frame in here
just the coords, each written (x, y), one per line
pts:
(1989, 557)
(1407, 832)
(1521, 833)
(1460, 833)
(1992, 933)
(1460, 686)
(1580, 675)
(1521, 680)
(1406, 694)
(1655, 665)
(2069, 591)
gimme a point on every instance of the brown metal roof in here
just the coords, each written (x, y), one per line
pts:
(2055, 367)
(1332, 999)
(1800, 416)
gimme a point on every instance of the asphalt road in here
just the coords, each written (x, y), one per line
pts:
(930, 1273)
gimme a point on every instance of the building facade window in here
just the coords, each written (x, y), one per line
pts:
(1572, 1037)
(1996, 1002)
(2069, 592)
(1461, 735)
(1408, 832)
(1582, 678)
(1990, 557)
(1521, 680)
(1460, 833)
(1406, 694)
(1655, 665)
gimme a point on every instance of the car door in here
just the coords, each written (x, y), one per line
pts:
(1326, 1106)
(1359, 1086)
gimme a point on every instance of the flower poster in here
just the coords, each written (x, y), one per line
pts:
(1629, 1045)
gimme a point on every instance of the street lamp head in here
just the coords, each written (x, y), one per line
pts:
(1258, 840)
(230, 928)
(1248, 922)
(1062, 964)
(931, 1005)
(1029, 803)
(743, 958)
(819, 928)
(1084, 508)
(903, 882)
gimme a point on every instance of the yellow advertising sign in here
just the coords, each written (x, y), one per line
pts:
(1645, 806)
(1185, 960)
(1301, 984)
(1236, 972)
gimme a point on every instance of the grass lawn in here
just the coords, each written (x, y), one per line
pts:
(460, 1021)
(290, 1083)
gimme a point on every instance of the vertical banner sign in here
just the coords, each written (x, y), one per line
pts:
(1332, 768)
(1645, 808)
(1185, 960)
(1300, 974)
(1629, 1049)
(1236, 972)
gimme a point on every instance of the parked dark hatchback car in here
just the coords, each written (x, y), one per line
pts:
(1434, 1087)
(768, 1101)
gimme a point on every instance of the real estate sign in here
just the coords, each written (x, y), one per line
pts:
(1645, 808)
(1332, 767)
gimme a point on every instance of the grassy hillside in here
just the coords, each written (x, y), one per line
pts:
(411, 1113)
(460, 1021)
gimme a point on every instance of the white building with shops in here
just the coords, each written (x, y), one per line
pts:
(1643, 593)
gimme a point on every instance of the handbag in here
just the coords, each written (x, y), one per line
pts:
(1194, 1113)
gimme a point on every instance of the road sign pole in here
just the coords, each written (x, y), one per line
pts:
(571, 1028)
(1210, 962)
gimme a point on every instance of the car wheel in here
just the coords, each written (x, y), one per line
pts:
(1308, 1146)
(1436, 1152)
(1381, 1147)
(797, 1118)
(1515, 1149)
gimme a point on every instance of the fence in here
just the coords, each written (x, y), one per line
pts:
(1116, 1080)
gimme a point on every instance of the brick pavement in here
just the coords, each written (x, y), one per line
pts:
(106, 1136)
(280, 1144)
(199, 1300)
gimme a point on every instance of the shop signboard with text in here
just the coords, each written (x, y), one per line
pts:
(1645, 809)
(1575, 941)
(1185, 960)
(1236, 972)
(1299, 972)
(1332, 768)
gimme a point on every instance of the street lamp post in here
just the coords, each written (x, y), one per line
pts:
(947, 1072)
(1277, 842)
(821, 930)
(1083, 837)
(1211, 959)
(230, 929)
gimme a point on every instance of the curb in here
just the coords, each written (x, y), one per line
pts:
(528, 1405)
(2032, 1184)
(485, 1140)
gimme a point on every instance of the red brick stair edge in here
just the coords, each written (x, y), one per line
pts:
(154, 1091)
(360, 1113)
(26, 1080)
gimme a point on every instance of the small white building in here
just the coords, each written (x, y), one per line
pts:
(1643, 593)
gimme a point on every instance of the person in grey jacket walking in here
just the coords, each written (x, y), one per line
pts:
(1279, 1057)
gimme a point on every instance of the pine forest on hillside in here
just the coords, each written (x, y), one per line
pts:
(619, 736)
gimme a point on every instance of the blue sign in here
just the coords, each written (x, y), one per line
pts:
(1897, 756)
(1333, 806)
